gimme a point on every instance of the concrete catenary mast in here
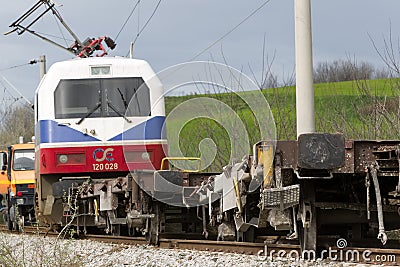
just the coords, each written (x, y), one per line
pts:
(304, 68)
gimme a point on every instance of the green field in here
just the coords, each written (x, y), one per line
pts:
(358, 109)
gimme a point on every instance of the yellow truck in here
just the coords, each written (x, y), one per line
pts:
(4, 182)
(21, 177)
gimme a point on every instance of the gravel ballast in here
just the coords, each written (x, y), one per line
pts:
(31, 250)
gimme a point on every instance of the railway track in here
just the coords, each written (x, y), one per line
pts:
(265, 251)
(270, 251)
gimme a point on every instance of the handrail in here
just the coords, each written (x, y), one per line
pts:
(182, 158)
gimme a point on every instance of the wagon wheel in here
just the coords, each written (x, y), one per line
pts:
(131, 231)
(249, 235)
(36, 206)
(14, 219)
(116, 230)
(307, 236)
(9, 222)
(113, 229)
(153, 225)
(308, 231)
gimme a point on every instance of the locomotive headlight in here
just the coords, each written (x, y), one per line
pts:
(138, 156)
(63, 159)
(145, 156)
(78, 158)
(100, 70)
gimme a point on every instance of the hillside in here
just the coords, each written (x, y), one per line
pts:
(358, 109)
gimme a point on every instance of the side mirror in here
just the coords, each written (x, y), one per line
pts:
(3, 161)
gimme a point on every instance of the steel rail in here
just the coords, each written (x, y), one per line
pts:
(264, 250)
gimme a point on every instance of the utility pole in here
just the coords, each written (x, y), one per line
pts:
(305, 115)
(42, 61)
(304, 68)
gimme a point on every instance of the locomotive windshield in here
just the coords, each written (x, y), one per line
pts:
(115, 97)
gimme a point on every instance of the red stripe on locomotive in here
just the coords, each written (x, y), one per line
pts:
(100, 158)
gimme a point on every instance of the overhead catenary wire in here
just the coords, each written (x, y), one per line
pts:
(127, 19)
(7, 103)
(145, 25)
(16, 90)
(7, 92)
(31, 62)
(147, 22)
(230, 31)
(15, 66)
(138, 19)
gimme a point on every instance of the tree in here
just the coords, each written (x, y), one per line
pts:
(344, 70)
(15, 122)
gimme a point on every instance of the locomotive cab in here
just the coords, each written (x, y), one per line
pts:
(96, 120)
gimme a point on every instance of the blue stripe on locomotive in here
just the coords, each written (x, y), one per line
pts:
(52, 132)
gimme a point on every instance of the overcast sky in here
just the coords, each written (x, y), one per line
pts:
(180, 29)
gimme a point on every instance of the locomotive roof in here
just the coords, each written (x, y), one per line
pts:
(120, 67)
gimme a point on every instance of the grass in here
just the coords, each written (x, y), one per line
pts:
(24, 251)
(359, 109)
